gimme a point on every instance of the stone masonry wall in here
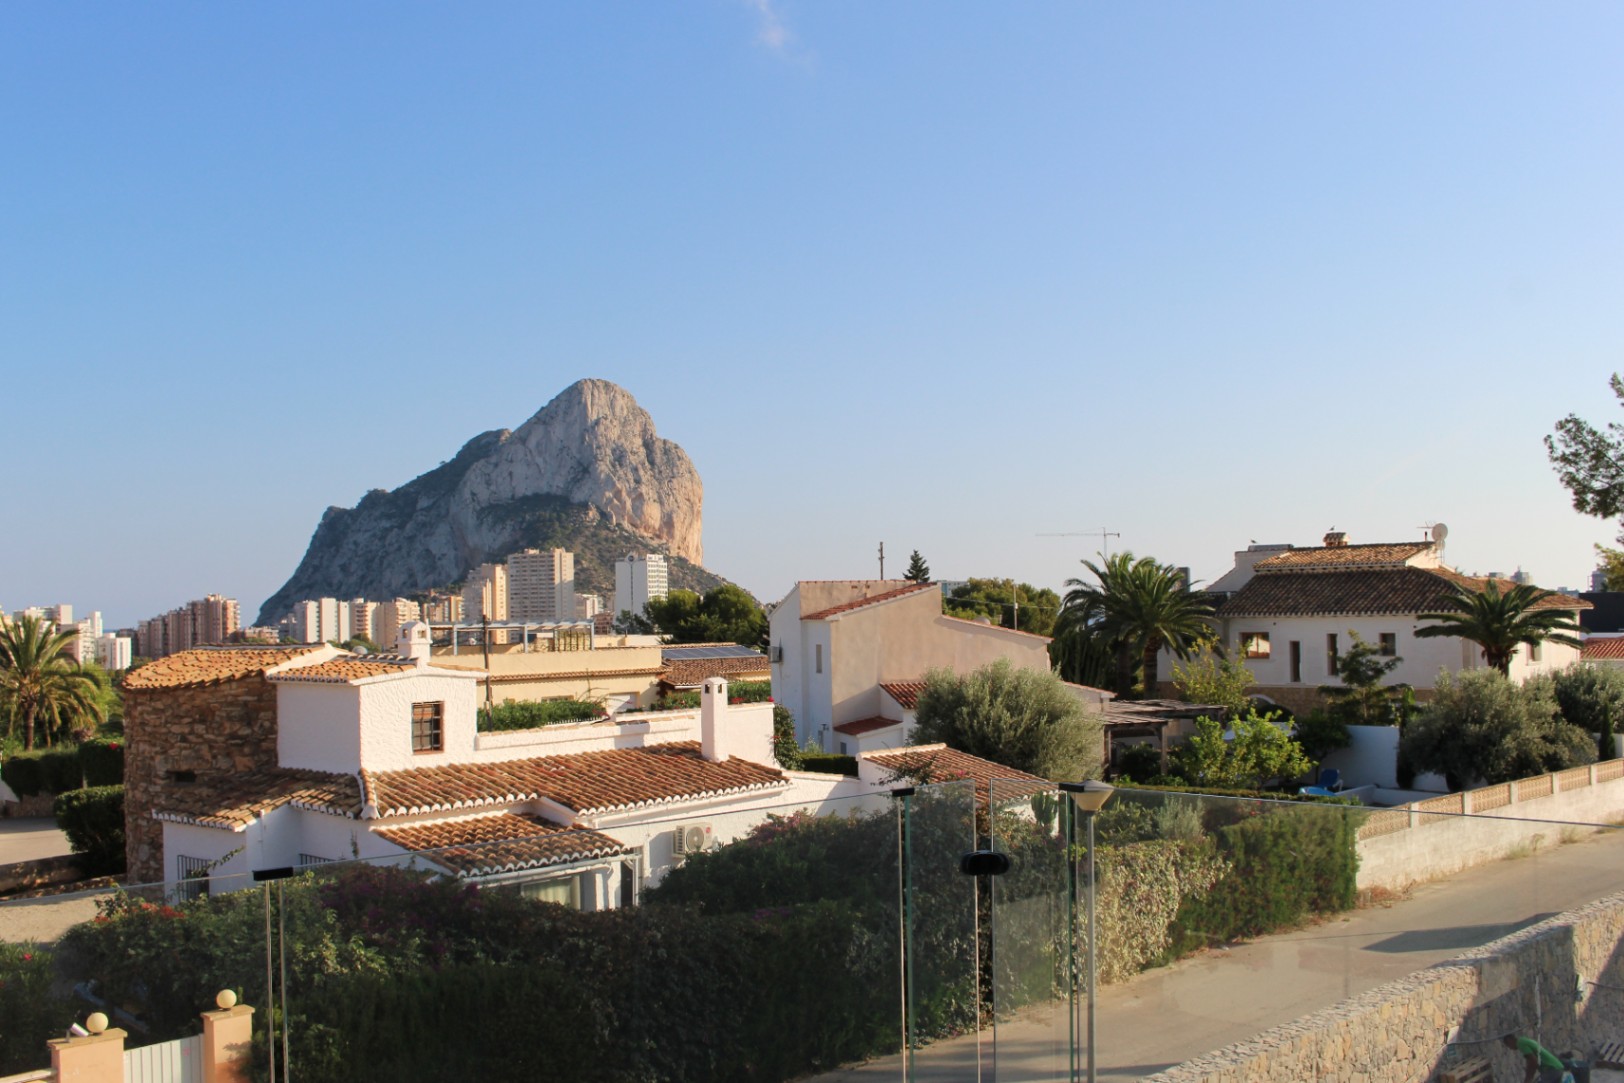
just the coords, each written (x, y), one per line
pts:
(212, 730)
(1527, 983)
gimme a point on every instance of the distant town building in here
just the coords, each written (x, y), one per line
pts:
(260, 634)
(639, 578)
(392, 616)
(114, 652)
(364, 619)
(208, 620)
(485, 594)
(541, 585)
(444, 609)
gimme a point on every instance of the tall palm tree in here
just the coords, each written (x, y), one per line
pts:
(1500, 622)
(1137, 606)
(40, 684)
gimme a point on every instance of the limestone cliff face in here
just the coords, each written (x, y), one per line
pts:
(587, 470)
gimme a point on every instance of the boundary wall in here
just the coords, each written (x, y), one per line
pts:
(1426, 840)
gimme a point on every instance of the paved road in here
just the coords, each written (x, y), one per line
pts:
(31, 839)
(1167, 1016)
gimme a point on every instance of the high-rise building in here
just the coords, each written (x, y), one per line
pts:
(390, 617)
(327, 615)
(363, 619)
(215, 619)
(306, 622)
(485, 594)
(639, 578)
(113, 652)
(541, 585)
(588, 606)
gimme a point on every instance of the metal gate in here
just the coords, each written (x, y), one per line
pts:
(180, 1061)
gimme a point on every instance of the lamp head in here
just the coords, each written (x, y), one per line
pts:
(1089, 796)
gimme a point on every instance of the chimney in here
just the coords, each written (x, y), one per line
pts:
(1336, 539)
(414, 642)
(712, 706)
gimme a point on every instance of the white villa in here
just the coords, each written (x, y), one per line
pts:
(379, 757)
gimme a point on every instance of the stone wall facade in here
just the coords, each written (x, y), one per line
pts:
(1561, 981)
(210, 730)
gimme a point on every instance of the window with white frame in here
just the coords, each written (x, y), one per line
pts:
(1255, 644)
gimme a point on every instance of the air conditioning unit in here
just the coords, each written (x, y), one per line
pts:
(777, 656)
(691, 839)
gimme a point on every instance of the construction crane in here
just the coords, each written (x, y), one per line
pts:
(1102, 534)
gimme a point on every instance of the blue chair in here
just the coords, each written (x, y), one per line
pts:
(1330, 779)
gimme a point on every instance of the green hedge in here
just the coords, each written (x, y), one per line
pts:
(750, 692)
(93, 819)
(31, 1011)
(532, 714)
(43, 770)
(1285, 866)
(828, 763)
(97, 762)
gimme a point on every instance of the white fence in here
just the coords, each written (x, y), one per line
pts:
(180, 1061)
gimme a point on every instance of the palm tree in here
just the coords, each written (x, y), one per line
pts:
(40, 684)
(1499, 621)
(1137, 607)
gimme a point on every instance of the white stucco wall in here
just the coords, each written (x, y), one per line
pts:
(316, 726)
(386, 719)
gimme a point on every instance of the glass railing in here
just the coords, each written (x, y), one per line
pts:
(846, 941)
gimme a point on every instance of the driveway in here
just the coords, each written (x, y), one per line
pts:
(31, 839)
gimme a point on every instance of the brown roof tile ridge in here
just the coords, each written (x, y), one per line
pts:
(878, 752)
(1550, 599)
(873, 599)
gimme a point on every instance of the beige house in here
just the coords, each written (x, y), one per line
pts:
(837, 644)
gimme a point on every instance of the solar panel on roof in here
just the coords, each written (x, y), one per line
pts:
(725, 650)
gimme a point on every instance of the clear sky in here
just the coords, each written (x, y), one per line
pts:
(946, 275)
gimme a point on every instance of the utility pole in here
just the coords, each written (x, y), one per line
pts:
(1104, 535)
(882, 560)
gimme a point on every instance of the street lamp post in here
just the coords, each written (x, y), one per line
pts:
(1090, 797)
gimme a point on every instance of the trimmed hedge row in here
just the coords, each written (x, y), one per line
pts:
(828, 763)
(97, 762)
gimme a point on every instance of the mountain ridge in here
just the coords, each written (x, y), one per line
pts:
(587, 472)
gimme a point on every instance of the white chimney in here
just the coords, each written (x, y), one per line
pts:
(414, 642)
(712, 708)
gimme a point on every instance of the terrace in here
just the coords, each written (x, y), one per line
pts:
(1231, 941)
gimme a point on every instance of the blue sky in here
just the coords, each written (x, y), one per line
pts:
(947, 275)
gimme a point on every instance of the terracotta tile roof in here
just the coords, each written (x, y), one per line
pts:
(211, 665)
(1380, 555)
(906, 693)
(938, 763)
(873, 599)
(584, 782)
(235, 801)
(693, 672)
(1606, 648)
(1395, 591)
(866, 725)
(502, 843)
(347, 668)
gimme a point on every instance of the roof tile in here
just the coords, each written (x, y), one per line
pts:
(866, 725)
(906, 693)
(1604, 648)
(693, 672)
(505, 842)
(938, 763)
(873, 599)
(211, 665)
(1379, 555)
(235, 801)
(346, 669)
(1398, 591)
(585, 782)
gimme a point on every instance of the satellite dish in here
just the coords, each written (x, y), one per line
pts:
(1439, 533)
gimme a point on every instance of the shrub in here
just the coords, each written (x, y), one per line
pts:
(531, 714)
(1592, 698)
(31, 1012)
(785, 750)
(93, 819)
(1482, 727)
(1021, 718)
(750, 692)
(1141, 761)
(678, 701)
(1260, 753)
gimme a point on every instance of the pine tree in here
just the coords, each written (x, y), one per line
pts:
(918, 571)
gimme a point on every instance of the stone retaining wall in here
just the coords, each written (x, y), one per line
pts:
(1526, 983)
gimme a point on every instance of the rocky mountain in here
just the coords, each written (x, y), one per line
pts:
(587, 472)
